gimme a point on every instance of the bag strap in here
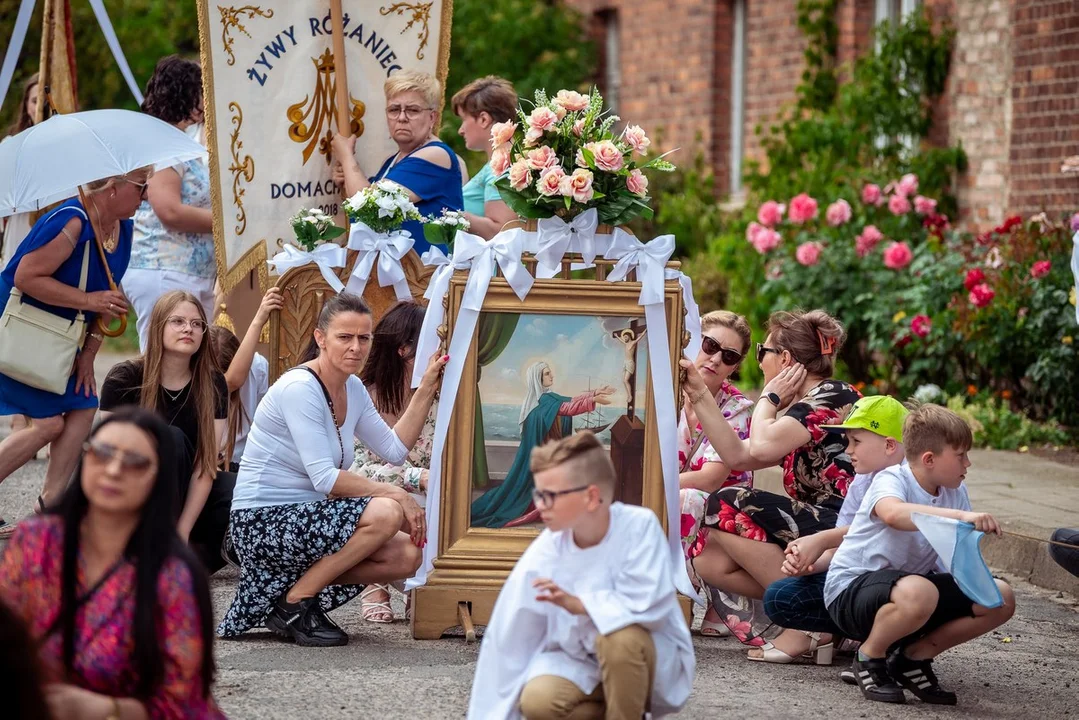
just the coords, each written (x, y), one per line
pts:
(325, 390)
(692, 452)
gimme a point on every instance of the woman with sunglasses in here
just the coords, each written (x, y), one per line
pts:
(117, 605)
(754, 527)
(423, 165)
(47, 269)
(174, 243)
(177, 377)
(725, 339)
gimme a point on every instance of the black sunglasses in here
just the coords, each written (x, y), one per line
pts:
(729, 356)
(105, 453)
(762, 350)
(546, 498)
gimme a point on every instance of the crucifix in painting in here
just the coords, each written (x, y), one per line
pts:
(630, 337)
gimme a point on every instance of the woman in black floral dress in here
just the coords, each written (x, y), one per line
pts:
(798, 399)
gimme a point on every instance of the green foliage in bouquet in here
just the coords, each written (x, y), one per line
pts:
(313, 228)
(441, 229)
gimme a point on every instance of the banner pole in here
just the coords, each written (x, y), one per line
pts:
(337, 24)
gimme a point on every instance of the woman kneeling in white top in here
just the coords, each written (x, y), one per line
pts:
(310, 535)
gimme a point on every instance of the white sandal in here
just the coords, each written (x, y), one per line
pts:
(376, 612)
(714, 629)
(820, 654)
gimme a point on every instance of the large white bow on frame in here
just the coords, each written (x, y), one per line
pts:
(556, 237)
(326, 257)
(388, 249)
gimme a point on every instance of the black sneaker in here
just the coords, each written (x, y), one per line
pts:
(918, 677)
(848, 676)
(875, 682)
(305, 623)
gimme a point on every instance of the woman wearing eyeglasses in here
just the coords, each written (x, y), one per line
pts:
(425, 166)
(118, 606)
(749, 529)
(177, 378)
(47, 269)
(174, 243)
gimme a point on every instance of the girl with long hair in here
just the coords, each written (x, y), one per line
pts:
(14, 228)
(177, 377)
(117, 604)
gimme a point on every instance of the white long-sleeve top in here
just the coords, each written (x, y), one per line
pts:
(293, 454)
(625, 580)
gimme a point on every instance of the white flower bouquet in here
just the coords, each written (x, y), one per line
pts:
(313, 228)
(441, 229)
(382, 206)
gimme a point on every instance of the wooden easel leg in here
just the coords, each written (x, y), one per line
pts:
(465, 616)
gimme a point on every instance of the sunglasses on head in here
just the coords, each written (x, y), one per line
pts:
(711, 346)
(105, 453)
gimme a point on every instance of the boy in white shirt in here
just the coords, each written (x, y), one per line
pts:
(881, 588)
(588, 623)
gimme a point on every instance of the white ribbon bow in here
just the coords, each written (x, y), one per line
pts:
(557, 237)
(648, 259)
(389, 249)
(481, 255)
(436, 290)
(325, 256)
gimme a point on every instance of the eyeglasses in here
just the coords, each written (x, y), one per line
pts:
(105, 453)
(411, 111)
(762, 350)
(180, 324)
(141, 186)
(546, 498)
(710, 346)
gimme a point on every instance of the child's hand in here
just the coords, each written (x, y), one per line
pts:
(549, 592)
(801, 554)
(982, 521)
(272, 300)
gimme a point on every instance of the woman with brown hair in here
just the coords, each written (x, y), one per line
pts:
(754, 527)
(13, 229)
(177, 377)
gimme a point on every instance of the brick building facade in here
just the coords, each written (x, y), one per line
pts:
(708, 72)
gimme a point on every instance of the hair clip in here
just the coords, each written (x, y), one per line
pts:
(827, 344)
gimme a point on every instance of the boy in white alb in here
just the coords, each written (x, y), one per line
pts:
(881, 586)
(588, 624)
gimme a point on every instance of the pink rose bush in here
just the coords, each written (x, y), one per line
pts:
(808, 253)
(981, 295)
(871, 195)
(921, 326)
(867, 240)
(838, 213)
(1040, 269)
(770, 213)
(897, 255)
(898, 204)
(924, 205)
(563, 157)
(802, 209)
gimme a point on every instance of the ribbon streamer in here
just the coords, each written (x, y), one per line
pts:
(114, 46)
(325, 257)
(15, 42)
(428, 341)
(556, 237)
(388, 249)
(693, 312)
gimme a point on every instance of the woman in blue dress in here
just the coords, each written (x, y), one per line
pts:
(424, 165)
(46, 268)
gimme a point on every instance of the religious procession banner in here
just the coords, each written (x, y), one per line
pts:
(270, 99)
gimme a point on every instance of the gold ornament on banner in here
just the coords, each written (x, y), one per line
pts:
(421, 13)
(241, 168)
(311, 117)
(231, 18)
(224, 321)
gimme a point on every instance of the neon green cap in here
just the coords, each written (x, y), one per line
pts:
(880, 414)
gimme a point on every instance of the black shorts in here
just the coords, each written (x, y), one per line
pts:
(855, 610)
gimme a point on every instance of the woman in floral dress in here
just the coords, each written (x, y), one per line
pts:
(799, 397)
(725, 341)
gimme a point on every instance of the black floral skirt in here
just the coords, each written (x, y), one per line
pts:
(276, 546)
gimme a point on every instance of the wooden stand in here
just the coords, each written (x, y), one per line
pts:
(627, 454)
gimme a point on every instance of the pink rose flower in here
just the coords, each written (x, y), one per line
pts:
(924, 205)
(500, 159)
(550, 181)
(1040, 269)
(975, 276)
(636, 139)
(802, 208)
(578, 185)
(808, 253)
(502, 133)
(871, 194)
(578, 127)
(532, 137)
(752, 231)
(637, 183)
(571, 100)
(921, 325)
(838, 213)
(981, 295)
(907, 185)
(608, 156)
(520, 175)
(559, 112)
(541, 158)
(770, 213)
(766, 240)
(542, 119)
(898, 204)
(897, 255)
(864, 243)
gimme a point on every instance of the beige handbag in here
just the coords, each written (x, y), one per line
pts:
(38, 348)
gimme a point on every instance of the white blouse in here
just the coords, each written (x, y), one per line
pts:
(293, 454)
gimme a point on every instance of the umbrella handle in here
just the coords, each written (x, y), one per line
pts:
(103, 326)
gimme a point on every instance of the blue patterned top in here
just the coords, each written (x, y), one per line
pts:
(157, 248)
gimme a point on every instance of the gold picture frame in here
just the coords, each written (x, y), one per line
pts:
(472, 563)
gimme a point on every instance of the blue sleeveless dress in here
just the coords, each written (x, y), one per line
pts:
(438, 188)
(15, 397)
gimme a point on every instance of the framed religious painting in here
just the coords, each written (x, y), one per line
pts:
(572, 357)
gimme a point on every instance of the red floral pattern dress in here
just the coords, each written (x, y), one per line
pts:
(104, 626)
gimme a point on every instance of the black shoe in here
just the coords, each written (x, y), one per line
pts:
(305, 623)
(848, 676)
(875, 682)
(918, 677)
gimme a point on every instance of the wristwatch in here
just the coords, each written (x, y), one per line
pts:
(773, 398)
